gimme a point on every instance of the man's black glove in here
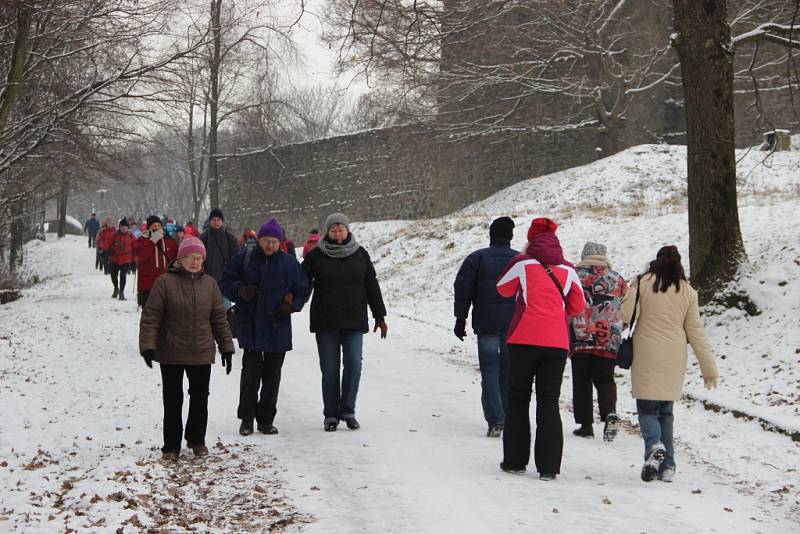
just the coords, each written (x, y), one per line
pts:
(227, 361)
(149, 356)
(283, 311)
(247, 292)
(460, 329)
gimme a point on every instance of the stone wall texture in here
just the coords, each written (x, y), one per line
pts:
(406, 172)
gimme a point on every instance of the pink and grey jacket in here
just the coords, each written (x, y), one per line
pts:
(540, 314)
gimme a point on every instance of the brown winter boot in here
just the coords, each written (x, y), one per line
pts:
(198, 450)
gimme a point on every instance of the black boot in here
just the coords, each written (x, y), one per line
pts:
(246, 428)
(352, 424)
(584, 431)
(115, 294)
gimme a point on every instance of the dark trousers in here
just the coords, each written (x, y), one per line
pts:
(92, 238)
(141, 298)
(260, 370)
(588, 370)
(118, 270)
(546, 366)
(172, 382)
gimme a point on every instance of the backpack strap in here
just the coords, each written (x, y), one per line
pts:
(552, 276)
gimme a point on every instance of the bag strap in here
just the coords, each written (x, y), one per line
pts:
(635, 305)
(552, 276)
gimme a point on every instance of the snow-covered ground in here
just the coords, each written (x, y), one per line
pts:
(82, 413)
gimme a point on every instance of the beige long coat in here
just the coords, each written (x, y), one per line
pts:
(664, 324)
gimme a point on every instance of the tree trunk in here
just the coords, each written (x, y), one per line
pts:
(703, 43)
(62, 207)
(16, 72)
(213, 172)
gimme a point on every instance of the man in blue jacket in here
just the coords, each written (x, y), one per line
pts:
(475, 286)
(267, 286)
(91, 227)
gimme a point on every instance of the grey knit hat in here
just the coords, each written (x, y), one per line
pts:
(593, 249)
(337, 218)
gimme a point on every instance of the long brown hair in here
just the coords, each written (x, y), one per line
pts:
(667, 269)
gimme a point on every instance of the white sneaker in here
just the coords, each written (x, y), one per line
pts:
(667, 475)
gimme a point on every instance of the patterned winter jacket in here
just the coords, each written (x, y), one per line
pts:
(598, 330)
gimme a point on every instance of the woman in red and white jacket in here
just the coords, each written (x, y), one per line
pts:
(548, 291)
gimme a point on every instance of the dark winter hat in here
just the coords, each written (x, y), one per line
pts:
(216, 212)
(593, 249)
(271, 229)
(502, 228)
(178, 228)
(337, 218)
(153, 219)
(541, 225)
(123, 222)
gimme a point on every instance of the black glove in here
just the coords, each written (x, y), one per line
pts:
(460, 329)
(227, 361)
(247, 292)
(149, 356)
(284, 310)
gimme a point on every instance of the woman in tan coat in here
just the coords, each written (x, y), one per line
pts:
(182, 319)
(667, 317)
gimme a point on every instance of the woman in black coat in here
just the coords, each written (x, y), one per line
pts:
(344, 283)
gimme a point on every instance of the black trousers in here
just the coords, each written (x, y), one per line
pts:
(118, 270)
(260, 370)
(546, 366)
(92, 238)
(172, 391)
(588, 370)
(141, 298)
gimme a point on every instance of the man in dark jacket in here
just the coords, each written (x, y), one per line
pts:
(267, 286)
(475, 285)
(221, 245)
(91, 228)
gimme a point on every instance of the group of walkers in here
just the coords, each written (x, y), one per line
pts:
(532, 311)
(214, 283)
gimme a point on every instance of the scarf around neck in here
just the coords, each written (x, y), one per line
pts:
(335, 250)
(546, 249)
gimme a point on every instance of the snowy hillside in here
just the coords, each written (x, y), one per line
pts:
(81, 427)
(634, 202)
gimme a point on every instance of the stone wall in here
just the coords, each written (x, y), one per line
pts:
(406, 172)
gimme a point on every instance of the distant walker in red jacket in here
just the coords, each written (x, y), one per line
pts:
(155, 251)
(547, 291)
(121, 260)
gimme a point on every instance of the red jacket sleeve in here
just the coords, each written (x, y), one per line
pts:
(576, 301)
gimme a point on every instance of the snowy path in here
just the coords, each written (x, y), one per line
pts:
(81, 423)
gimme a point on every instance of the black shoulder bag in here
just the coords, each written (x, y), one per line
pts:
(625, 352)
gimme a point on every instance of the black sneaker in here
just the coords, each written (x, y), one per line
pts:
(495, 430)
(351, 422)
(611, 428)
(267, 429)
(246, 428)
(517, 470)
(653, 463)
(331, 426)
(584, 431)
(547, 476)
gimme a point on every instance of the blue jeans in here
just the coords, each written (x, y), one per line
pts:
(493, 360)
(339, 394)
(655, 423)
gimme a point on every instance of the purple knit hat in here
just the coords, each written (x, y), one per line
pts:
(191, 245)
(271, 229)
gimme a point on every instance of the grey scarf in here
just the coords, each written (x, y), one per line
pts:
(334, 250)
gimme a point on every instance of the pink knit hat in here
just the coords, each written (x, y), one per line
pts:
(191, 245)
